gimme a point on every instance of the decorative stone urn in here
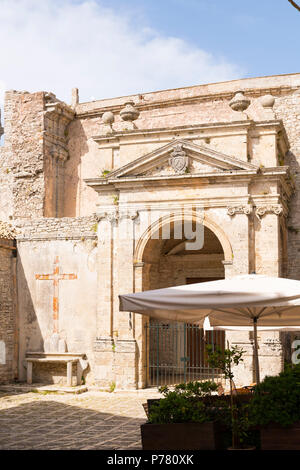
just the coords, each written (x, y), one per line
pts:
(108, 118)
(267, 101)
(129, 113)
(239, 102)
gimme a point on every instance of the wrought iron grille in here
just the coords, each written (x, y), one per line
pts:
(176, 353)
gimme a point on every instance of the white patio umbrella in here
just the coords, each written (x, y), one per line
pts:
(238, 302)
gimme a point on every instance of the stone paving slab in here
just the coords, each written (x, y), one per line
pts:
(93, 420)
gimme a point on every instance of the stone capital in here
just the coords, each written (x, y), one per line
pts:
(109, 214)
(276, 209)
(128, 214)
(240, 209)
(114, 214)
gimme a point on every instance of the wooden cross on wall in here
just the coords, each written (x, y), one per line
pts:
(56, 277)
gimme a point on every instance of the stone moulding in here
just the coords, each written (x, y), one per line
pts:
(103, 344)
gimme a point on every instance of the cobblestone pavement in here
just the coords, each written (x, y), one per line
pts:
(93, 420)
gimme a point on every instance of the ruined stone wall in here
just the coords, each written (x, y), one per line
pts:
(21, 172)
(7, 311)
(32, 159)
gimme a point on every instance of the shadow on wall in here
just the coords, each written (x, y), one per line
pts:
(78, 147)
(29, 330)
(54, 425)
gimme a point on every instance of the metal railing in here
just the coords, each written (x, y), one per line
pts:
(176, 353)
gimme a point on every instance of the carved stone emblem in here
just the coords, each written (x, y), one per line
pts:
(179, 160)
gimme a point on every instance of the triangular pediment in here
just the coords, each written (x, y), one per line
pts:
(180, 157)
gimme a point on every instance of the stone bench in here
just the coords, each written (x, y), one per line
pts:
(63, 358)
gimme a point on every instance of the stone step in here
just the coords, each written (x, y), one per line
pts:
(42, 388)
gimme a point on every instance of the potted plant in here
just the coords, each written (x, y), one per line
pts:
(181, 420)
(224, 359)
(275, 408)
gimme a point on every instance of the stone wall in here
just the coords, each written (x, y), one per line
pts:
(71, 246)
(58, 228)
(7, 311)
(287, 108)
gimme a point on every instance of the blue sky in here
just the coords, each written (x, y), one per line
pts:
(261, 36)
(110, 48)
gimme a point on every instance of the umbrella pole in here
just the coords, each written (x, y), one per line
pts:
(256, 361)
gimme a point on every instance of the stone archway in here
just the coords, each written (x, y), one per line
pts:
(177, 216)
(165, 263)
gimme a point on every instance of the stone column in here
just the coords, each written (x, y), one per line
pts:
(268, 261)
(141, 274)
(241, 223)
(126, 353)
(105, 273)
(124, 324)
(267, 239)
(242, 237)
(265, 258)
(104, 345)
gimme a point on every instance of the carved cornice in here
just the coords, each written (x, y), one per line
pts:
(59, 110)
(254, 88)
(240, 209)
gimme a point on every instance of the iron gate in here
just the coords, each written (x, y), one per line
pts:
(176, 353)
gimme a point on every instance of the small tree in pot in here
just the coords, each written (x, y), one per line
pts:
(224, 360)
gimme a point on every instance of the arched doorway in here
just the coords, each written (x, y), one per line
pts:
(175, 351)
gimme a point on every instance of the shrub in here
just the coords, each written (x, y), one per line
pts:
(183, 404)
(277, 399)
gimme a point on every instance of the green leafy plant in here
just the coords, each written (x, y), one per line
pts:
(182, 405)
(277, 399)
(94, 227)
(112, 386)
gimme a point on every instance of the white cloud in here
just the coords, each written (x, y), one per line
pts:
(56, 45)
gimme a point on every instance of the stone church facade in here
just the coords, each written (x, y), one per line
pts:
(94, 198)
